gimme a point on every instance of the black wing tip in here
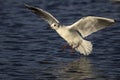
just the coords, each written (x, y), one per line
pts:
(115, 20)
(34, 9)
(29, 7)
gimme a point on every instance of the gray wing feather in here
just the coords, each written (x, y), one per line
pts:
(90, 24)
(44, 14)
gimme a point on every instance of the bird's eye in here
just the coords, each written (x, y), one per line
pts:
(54, 24)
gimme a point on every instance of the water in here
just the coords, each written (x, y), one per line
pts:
(29, 51)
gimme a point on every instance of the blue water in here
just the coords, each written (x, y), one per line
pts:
(29, 51)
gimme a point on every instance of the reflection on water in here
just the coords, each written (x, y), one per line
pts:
(81, 69)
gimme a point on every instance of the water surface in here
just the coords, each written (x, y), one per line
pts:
(29, 51)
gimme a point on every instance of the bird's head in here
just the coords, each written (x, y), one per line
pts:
(55, 26)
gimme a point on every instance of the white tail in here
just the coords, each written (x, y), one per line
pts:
(85, 47)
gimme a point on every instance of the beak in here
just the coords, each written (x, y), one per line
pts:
(48, 28)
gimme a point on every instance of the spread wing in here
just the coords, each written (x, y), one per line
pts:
(44, 14)
(90, 24)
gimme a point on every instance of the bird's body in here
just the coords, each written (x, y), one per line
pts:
(74, 34)
(74, 40)
(69, 35)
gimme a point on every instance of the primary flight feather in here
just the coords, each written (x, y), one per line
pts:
(74, 34)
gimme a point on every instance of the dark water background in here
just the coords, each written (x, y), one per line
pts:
(29, 51)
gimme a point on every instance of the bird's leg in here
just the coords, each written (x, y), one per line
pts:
(64, 47)
(73, 47)
(72, 50)
(70, 47)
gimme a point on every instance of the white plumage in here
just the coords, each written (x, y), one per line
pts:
(75, 33)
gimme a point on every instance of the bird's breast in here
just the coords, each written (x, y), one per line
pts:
(69, 36)
(65, 33)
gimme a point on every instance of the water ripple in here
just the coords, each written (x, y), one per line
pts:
(29, 51)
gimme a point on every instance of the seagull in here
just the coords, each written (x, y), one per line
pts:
(75, 33)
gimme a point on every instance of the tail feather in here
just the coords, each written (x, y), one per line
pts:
(85, 47)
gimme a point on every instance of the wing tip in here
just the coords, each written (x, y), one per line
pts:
(115, 20)
(27, 6)
(32, 8)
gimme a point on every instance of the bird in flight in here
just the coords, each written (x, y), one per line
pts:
(75, 34)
